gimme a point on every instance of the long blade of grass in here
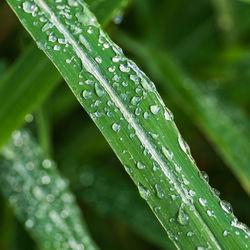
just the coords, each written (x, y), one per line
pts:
(128, 110)
(32, 78)
(225, 124)
(40, 197)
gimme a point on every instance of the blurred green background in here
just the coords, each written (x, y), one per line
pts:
(210, 40)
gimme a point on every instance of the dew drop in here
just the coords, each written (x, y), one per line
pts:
(29, 7)
(99, 90)
(182, 217)
(226, 206)
(159, 192)
(203, 202)
(155, 109)
(116, 127)
(146, 115)
(124, 68)
(135, 100)
(87, 94)
(98, 59)
(190, 234)
(204, 176)
(140, 165)
(144, 192)
(52, 37)
(167, 153)
(226, 233)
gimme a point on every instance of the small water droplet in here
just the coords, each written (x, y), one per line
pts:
(159, 192)
(146, 115)
(226, 233)
(87, 94)
(99, 90)
(190, 234)
(174, 197)
(204, 176)
(226, 206)
(155, 109)
(144, 192)
(116, 127)
(98, 59)
(203, 202)
(135, 100)
(29, 7)
(140, 165)
(182, 217)
(124, 68)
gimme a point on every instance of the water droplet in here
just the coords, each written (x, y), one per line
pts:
(155, 109)
(46, 163)
(99, 90)
(226, 206)
(192, 193)
(144, 192)
(203, 202)
(98, 59)
(135, 100)
(116, 127)
(45, 179)
(146, 115)
(57, 47)
(159, 192)
(157, 209)
(29, 7)
(182, 217)
(52, 37)
(167, 153)
(190, 234)
(140, 165)
(124, 68)
(226, 233)
(87, 94)
(129, 170)
(174, 197)
(204, 176)
(168, 115)
(29, 223)
(215, 192)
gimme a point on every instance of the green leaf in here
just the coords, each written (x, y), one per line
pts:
(40, 197)
(225, 124)
(128, 110)
(32, 78)
(23, 88)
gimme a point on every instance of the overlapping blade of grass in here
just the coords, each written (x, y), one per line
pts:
(40, 197)
(128, 110)
(32, 78)
(225, 124)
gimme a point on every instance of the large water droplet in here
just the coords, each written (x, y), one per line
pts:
(159, 192)
(144, 192)
(99, 90)
(135, 100)
(204, 176)
(140, 165)
(29, 7)
(124, 68)
(182, 217)
(203, 202)
(226, 206)
(87, 94)
(116, 127)
(155, 109)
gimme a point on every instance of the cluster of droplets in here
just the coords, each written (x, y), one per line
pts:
(39, 196)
